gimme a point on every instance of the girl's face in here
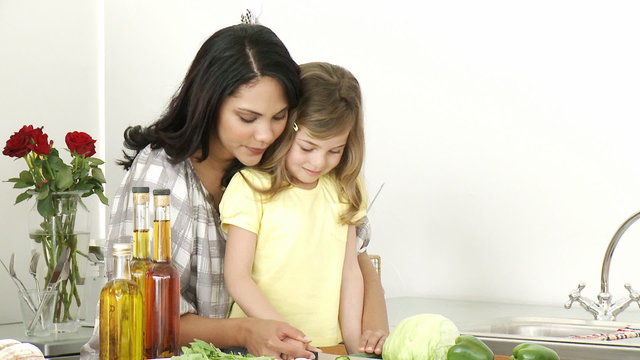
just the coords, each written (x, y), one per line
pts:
(250, 120)
(310, 158)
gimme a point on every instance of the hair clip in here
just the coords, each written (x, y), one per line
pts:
(295, 126)
(249, 18)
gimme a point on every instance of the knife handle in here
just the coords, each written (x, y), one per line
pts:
(40, 308)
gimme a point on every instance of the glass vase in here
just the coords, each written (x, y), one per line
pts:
(67, 228)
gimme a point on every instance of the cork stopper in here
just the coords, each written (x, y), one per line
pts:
(161, 197)
(140, 195)
(121, 249)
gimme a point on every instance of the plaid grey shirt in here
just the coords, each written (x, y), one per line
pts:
(197, 239)
(197, 242)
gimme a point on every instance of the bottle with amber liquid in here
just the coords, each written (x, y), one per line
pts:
(121, 311)
(162, 293)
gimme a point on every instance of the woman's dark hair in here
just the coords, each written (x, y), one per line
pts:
(230, 58)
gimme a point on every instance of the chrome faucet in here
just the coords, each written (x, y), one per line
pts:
(604, 309)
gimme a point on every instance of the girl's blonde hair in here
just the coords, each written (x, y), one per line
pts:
(331, 103)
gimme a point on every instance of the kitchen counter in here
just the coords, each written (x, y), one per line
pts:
(477, 317)
(55, 346)
(466, 312)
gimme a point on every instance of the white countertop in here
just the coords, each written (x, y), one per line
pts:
(52, 345)
(477, 318)
(462, 312)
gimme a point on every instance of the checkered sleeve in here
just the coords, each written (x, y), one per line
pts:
(363, 235)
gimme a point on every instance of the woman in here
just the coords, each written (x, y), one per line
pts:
(231, 107)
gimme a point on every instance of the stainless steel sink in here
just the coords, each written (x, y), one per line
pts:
(534, 327)
(502, 335)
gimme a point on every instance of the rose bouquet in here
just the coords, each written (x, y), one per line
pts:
(57, 188)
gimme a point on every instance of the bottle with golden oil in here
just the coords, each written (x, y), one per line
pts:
(141, 258)
(162, 293)
(121, 311)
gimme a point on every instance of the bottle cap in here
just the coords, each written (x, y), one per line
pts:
(161, 197)
(121, 249)
(140, 195)
(161, 192)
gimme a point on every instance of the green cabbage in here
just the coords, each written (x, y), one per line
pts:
(421, 337)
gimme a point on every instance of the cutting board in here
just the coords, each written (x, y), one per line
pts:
(340, 350)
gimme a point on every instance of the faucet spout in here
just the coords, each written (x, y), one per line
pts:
(606, 262)
(604, 309)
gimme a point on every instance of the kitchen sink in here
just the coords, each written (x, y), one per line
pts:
(534, 327)
(566, 336)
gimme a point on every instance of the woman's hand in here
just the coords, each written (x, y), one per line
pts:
(277, 339)
(296, 344)
(372, 341)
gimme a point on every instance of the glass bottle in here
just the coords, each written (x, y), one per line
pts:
(121, 311)
(141, 259)
(162, 295)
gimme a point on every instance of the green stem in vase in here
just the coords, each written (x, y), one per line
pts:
(58, 232)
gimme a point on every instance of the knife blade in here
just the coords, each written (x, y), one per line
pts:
(326, 356)
(56, 276)
(58, 270)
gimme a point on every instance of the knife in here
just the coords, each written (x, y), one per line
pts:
(55, 278)
(359, 356)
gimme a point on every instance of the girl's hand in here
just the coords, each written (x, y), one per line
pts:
(371, 341)
(276, 338)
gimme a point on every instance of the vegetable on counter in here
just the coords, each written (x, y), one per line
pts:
(364, 355)
(421, 337)
(201, 350)
(358, 355)
(529, 351)
(16, 350)
(468, 347)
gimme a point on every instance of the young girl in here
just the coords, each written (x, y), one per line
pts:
(291, 251)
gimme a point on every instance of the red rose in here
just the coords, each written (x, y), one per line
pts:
(80, 143)
(29, 130)
(18, 144)
(40, 143)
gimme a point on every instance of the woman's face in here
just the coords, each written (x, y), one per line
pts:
(250, 120)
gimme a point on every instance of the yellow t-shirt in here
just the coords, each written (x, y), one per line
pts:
(299, 250)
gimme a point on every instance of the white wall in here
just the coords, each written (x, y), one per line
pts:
(505, 132)
(48, 53)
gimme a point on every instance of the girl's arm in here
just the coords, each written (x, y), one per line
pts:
(351, 295)
(375, 325)
(238, 262)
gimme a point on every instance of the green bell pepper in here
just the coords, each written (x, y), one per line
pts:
(468, 347)
(529, 351)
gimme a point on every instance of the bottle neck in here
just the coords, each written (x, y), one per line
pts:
(141, 246)
(121, 268)
(162, 234)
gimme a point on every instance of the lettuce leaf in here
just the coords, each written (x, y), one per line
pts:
(201, 350)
